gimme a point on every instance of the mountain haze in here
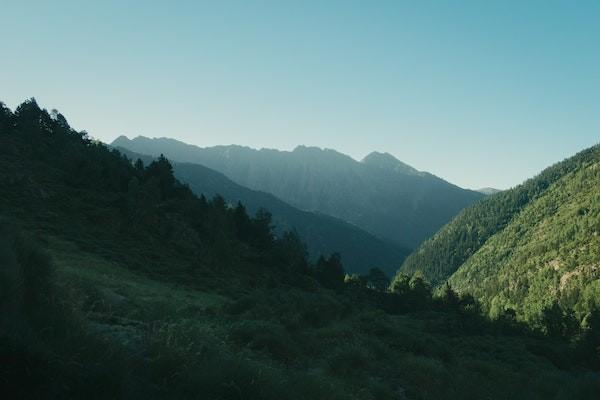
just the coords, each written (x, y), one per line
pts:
(322, 234)
(379, 194)
(488, 190)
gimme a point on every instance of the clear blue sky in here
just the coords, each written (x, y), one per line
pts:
(480, 93)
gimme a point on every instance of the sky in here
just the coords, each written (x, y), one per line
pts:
(480, 93)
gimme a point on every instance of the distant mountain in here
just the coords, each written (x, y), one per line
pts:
(488, 190)
(388, 162)
(528, 247)
(322, 234)
(380, 194)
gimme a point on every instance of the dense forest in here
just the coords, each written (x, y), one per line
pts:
(117, 281)
(441, 255)
(548, 256)
(532, 250)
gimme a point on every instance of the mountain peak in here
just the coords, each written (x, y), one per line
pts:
(120, 141)
(314, 149)
(388, 161)
(323, 154)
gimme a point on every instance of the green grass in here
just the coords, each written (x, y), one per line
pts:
(173, 340)
(131, 294)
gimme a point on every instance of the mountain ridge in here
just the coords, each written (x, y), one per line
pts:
(323, 234)
(387, 161)
(398, 203)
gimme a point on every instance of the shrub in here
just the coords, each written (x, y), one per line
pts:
(266, 336)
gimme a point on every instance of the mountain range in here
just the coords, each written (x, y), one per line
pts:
(379, 194)
(321, 233)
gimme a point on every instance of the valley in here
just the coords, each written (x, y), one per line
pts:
(119, 281)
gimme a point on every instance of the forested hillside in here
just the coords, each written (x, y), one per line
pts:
(532, 252)
(381, 194)
(549, 253)
(117, 281)
(441, 255)
(360, 251)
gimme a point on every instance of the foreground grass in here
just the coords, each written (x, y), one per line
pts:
(111, 288)
(174, 340)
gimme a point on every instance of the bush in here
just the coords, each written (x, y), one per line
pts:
(265, 336)
(349, 360)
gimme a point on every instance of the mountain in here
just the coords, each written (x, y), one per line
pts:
(322, 234)
(116, 281)
(388, 162)
(380, 194)
(488, 190)
(526, 248)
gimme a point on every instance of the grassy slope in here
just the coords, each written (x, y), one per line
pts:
(549, 251)
(343, 353)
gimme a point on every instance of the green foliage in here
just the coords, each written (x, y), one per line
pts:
(330, 271)
(377, 279)
(449, 297)
(528, 254)
(441, 255)
(558, 322)
(43, 346)
(546, 260)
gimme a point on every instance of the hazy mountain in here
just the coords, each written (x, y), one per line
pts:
(322, 234)
(379, 194)
(488, 190)
(527, 247)
(388, 162)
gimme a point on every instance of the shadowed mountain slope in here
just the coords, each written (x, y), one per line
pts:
(322, 234)
(381, 194)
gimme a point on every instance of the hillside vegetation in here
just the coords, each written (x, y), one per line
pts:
(440, 256)
(116, 281)
(532, 252)
(549, 253)
(379, 194)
